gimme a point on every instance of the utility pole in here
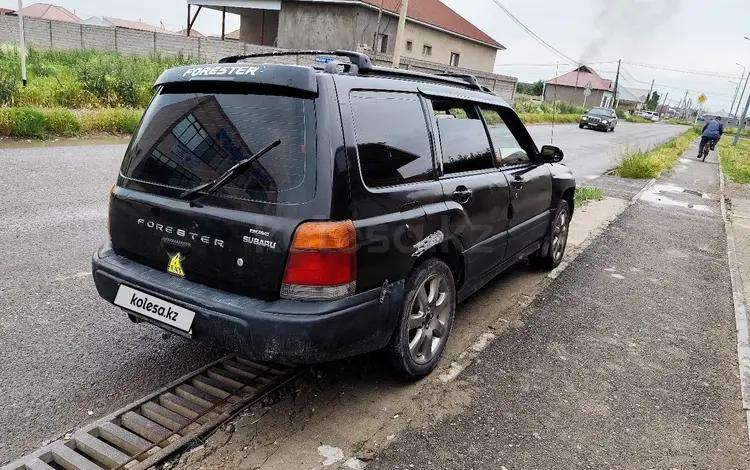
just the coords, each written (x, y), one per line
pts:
(685, 99)
(662, 105)
(377, 31)
(743, 91)
(648, 97)
(617, 82)
(741, 124)
(400, 34)
(734, 100)
(575, 90)
(22, 44)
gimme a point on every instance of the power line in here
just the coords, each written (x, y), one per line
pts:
(675, 69)
(534, 35)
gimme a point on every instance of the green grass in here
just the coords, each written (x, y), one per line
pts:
(545, 118)
(732, 131)
(588, 194)
(29, 123)
(650, 164)
(735, 161)
(534, 107)
(81, 79)
(637, 119)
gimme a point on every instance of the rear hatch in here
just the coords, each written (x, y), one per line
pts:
(238, 238)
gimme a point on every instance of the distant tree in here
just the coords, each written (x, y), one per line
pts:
(653, 102)
(533, 89)
(537, 88)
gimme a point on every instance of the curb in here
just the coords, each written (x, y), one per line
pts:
(740, 310)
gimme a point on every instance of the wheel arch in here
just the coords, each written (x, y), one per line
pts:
(450, 253)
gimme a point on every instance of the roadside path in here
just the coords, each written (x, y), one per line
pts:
(628, 360)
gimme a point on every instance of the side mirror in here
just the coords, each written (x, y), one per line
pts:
(551, 154)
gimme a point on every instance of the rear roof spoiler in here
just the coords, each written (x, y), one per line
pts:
(286, 76)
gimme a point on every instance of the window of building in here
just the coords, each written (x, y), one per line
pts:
(507, 149)
(409, 46)
(427, 50)
(454, 59)
(463, 138)
(392, 139)
(381, 43)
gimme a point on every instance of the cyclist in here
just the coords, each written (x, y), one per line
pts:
(712, 132)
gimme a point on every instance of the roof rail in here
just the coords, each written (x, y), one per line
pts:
(470, 79)
(425, 77)
(361, 61)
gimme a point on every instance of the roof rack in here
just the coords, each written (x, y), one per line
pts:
(359, 60)
(470, 79)
(361, 64)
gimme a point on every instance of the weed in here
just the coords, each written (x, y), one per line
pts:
(637, 119)
(541, 118)
(358, 447)
(588, 194)
(637, 163)
(25, 122)
(62, 122)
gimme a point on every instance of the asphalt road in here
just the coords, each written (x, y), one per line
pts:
(68, 357)
(591, 153)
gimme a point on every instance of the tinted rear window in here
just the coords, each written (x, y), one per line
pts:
(189, 138)
(392, 139)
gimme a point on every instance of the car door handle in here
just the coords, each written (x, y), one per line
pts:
(518, 183)
(462, 194)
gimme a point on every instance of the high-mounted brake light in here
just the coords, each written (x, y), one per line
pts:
(322, 262)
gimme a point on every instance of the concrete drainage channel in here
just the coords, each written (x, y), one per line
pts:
(149, 430)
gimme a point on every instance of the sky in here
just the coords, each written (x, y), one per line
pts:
(695, 35)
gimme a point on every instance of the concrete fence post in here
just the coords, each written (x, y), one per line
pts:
(50, 33)
(154, 43)
(116, 47)
(80, 28)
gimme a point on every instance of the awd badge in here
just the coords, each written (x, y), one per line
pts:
(175, 265)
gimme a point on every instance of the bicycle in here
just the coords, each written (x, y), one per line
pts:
(707, 147)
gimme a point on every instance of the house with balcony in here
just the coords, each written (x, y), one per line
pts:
(434, 32)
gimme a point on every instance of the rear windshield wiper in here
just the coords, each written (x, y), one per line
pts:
(214, 185)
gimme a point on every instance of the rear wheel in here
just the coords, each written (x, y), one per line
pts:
(426, 320)
(550, 255)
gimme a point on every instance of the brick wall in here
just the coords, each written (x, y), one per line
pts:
(46, 34)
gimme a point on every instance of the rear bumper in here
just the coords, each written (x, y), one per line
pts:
(282, 330)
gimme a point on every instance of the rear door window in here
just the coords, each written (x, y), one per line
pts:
(463, 138)
(392, 139)
(186, 139)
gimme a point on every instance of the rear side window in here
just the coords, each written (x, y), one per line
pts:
(392, 139)
(508, 151)
(463, 138)
(187, 139)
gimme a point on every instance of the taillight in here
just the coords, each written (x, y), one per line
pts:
(109, 208)
(322, 262)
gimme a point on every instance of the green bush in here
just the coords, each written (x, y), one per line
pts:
(546, 118)
(637, 119)
(639, 164)
(81, 79)
(4, 121)
(62, 122)
(26, 122)
(621, 114)
(113, 121)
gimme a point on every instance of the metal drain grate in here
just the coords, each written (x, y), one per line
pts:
(149, 430)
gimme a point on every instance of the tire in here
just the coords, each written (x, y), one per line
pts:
(580, 126)
(613, 128)
(423, 313)
(550, 255)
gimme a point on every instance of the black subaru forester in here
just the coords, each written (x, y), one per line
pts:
(304, 215)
